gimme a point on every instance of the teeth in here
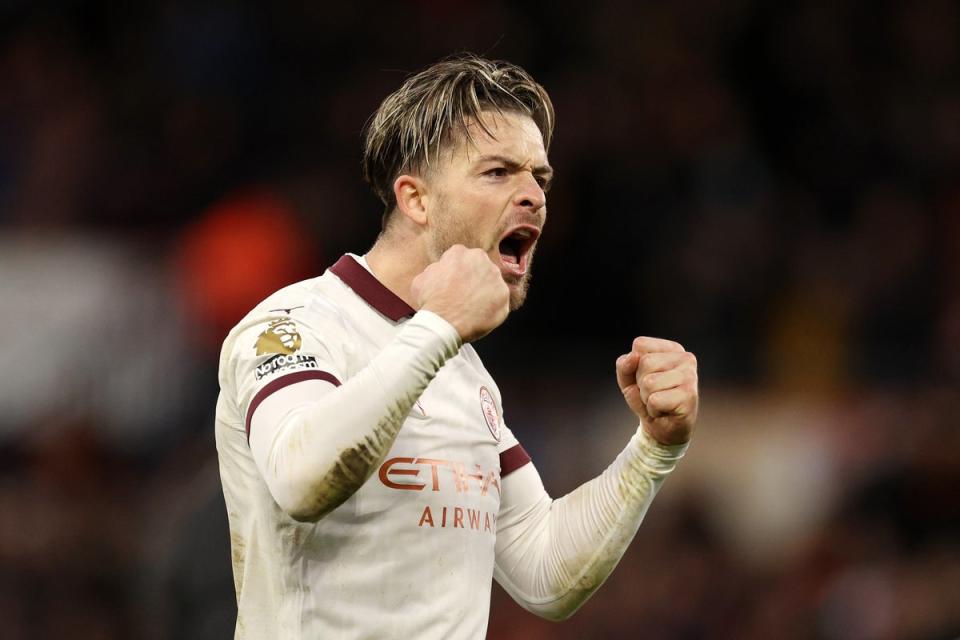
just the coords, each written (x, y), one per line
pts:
(522, 233)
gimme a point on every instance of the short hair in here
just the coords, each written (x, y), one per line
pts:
(412, 125)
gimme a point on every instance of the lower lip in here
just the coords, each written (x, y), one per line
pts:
(515, 270)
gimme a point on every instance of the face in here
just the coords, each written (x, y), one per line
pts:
(491, 194)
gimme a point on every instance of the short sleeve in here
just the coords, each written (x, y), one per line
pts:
(276, 351)
(512, 454)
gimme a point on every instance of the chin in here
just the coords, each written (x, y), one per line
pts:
(518, 293)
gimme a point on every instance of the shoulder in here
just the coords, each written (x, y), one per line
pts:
(309, 311)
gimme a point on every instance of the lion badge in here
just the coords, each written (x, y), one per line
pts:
(280, 336)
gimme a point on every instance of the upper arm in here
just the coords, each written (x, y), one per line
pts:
(276, 411)
(523, 498)
(524, 503)
(279, 351)
(281, 364)
(523, 530)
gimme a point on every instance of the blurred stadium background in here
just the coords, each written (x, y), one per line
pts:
(773, 184)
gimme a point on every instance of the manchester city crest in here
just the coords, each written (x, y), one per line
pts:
(489, 409)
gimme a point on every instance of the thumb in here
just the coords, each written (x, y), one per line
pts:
(627, 371)
(627, 366)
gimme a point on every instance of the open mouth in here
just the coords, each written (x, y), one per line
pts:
(515, 247)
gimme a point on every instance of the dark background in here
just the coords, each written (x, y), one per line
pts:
(775, 185)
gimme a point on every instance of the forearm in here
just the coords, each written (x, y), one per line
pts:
(552, 555)
(315, 453)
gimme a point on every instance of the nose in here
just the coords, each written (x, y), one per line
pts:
(530, 195)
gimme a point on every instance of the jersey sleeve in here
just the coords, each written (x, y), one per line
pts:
(316, 444)
(551, 555)
(275, 351)
(512, 454)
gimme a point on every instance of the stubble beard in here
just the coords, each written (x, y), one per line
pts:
(454, 231)
(519, 286)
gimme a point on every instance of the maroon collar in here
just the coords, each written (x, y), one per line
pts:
(365, 285)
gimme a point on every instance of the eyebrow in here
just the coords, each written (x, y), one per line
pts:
(545, 170)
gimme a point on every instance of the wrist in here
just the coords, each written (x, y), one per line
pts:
(670, 439)
(657, 453)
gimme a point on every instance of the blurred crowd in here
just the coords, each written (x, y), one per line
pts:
(775, 185)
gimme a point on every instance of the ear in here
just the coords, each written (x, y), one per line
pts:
(411, 194)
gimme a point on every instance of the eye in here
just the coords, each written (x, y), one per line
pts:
(498, 172)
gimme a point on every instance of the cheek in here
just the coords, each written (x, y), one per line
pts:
(472, 216)
(475, 214)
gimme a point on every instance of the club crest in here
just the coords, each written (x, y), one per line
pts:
(489, 409)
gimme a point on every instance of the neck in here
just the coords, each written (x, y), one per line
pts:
(396, 264)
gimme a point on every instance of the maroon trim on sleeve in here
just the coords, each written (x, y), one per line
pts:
(365, 285)
(286, 381)
(512, 459)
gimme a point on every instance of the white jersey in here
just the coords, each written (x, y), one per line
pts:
(411, 553)
(372, 487)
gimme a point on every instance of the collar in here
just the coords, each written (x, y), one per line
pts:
(366, 285)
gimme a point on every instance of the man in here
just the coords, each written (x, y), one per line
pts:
(371, 484)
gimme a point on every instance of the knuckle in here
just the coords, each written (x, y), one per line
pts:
(648, 382)
(656, 401)
(642, 363)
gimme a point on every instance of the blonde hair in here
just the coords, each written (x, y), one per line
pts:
(434, 106)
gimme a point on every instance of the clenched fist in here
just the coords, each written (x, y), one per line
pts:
(658, 379)
(466, 289)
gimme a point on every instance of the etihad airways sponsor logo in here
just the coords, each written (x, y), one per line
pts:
(434, 474)
(458, 518)
(281, 362)
(405, 474)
